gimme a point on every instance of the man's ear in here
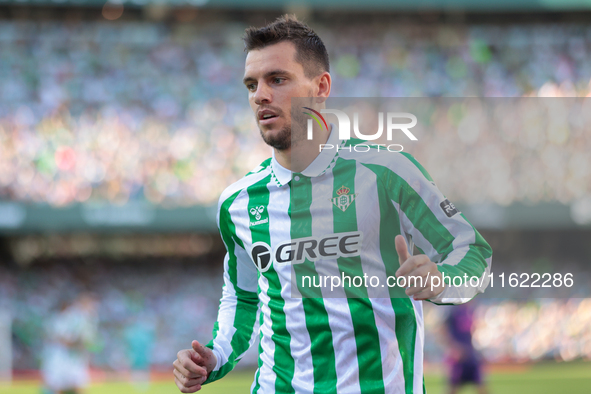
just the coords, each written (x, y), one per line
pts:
(323, 85)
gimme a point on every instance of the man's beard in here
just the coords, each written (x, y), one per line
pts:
(292, 134)
(279, 141)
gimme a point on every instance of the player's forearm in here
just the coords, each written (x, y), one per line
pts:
(234, 332)
(235, 327)
(465, 272)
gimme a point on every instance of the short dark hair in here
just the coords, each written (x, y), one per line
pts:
(310, 50)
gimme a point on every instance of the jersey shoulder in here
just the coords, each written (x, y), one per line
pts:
(256, 174)
(398, 162)
(264, 165)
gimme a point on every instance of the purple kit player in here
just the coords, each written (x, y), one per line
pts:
(465, 362)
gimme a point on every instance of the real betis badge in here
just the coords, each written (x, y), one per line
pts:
(344, 199)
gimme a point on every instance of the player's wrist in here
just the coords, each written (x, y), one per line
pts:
(215, 364)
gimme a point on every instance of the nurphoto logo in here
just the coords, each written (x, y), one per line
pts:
(393, 122)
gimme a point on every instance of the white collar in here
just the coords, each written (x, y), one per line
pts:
(316, 168)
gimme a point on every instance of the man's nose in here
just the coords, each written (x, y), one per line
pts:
(263, 94)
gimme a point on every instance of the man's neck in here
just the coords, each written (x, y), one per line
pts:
(302, 153)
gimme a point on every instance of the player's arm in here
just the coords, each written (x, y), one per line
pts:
(450, 247)
(236, 325)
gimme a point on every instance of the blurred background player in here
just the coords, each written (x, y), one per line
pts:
(140, 336)
(464, 362)
(70, 332)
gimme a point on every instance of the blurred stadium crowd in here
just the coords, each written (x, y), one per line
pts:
(510, 331)
(96, 111)
(165, 306)
(169, 303)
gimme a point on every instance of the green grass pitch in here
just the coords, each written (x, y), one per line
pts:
(545, 378)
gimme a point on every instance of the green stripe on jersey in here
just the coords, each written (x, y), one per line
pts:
(321, 347)
(283, 365)
(256, 386)
(366, 332)
(406, 324)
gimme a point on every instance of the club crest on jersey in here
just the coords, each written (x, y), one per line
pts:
(344, 199)
(256, 212)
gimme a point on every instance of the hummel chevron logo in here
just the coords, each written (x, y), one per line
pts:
(257, 213)
(344, 199)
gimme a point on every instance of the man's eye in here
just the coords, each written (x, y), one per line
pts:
(251, 87)
(278, 80)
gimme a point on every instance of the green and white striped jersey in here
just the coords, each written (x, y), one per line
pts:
(356, 340)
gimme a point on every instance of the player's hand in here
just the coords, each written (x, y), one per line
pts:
(417, 266)
(192, 367)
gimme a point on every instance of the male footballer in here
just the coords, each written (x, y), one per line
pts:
(327, 212)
